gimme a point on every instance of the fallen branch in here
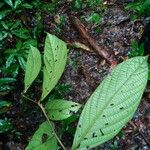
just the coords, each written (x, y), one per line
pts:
(99, 50)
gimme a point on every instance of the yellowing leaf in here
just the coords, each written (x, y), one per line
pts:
(61, 109)
(33, 67)
(43, 139)
(55, 56)
(112, 104)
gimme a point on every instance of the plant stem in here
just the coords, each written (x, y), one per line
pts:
(29, 99)
(43, 110)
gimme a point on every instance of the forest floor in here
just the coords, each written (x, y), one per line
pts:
(84, 72)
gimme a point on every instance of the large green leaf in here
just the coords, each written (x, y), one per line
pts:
(33, 67)
(55, 56)
(43, 139)
(112, 104)
(61, 109)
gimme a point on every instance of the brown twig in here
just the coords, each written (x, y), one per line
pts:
(99, 50)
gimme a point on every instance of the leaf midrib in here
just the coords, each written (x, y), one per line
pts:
(99, 114)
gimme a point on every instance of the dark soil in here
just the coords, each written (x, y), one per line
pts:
(84, 72)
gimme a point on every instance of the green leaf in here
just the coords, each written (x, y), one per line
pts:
(43, 139)
(6, 80)
(5, 126)
(17, 3)
(22, 62)
(61, 109)
(10, 60)
(55, 57)
(26, 44)
(12, 70)
(94, 18)
(77, 4)
(1, 4)
(4, 13)
(4, 105)
(15, 25)
(33, 67)
(112, 104)
(5, 26)
(9, 2)
(21, 33)
(137, 50)
(5, 88)
(27, 6)
(148, 71)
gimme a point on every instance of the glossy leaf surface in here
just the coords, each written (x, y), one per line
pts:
(5, 126)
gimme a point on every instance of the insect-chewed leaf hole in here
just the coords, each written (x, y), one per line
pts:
(94, 135)
(121, 108)
(101, 132)
(104, 116)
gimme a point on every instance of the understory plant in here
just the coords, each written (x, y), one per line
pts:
(139, 7)
(138, 50)
(108, 109)
(5, 124)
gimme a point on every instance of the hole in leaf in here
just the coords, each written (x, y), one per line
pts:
(78, 146)
(121, 108)
(94, 135)
(71, 112)
(44, 137)
(101, 132)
